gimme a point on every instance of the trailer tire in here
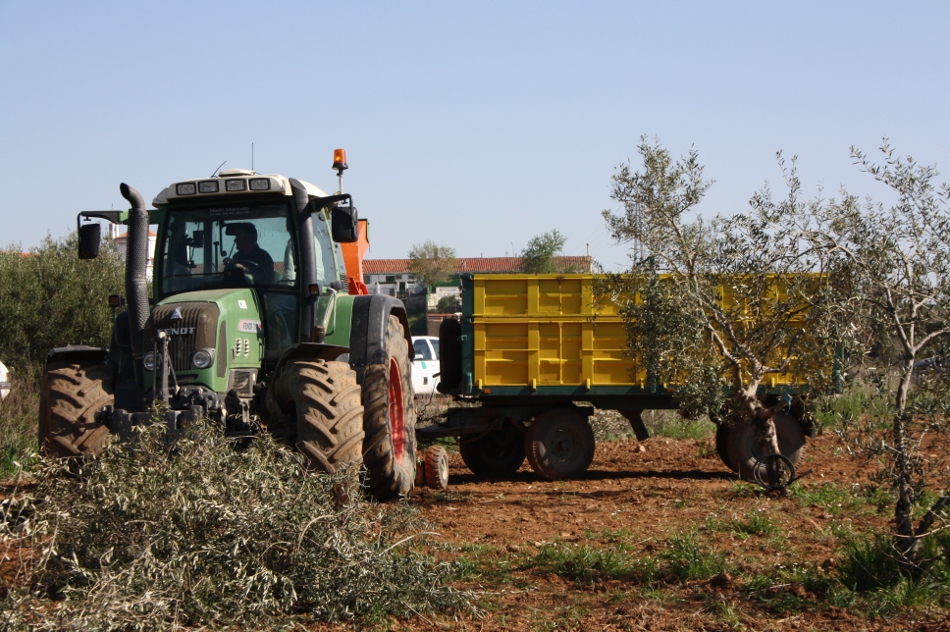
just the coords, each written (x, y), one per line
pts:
(435, 462)
(723, 431)
(560, 444)
(71, 393)
(326, 403)
(389, 421)
(744, 449)
(450, 354)
(496, 454)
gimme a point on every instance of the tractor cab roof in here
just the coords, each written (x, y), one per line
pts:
(231, 184)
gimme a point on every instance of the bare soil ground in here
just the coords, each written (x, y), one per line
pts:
(600, 553)
(633, 501)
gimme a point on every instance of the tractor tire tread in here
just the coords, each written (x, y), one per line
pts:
(329, 413)
(73, 392)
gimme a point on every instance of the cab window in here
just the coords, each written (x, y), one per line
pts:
(207, 248)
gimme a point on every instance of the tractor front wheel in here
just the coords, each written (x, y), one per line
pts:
(326, 399)
(71, 393)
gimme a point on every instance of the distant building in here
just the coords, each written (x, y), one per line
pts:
(122, 243)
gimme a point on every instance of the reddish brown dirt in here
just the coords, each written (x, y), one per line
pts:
(642, 495)
(639, 496)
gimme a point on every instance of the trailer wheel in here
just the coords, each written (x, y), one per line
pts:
(497, 454)
(389, 450)
(435, 462)
(723, 431)
(71, 393)
(560, 444)
(744, 448)
(326, 400)
(450, 354)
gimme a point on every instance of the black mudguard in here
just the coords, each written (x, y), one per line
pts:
(78, 353)
(368, 330)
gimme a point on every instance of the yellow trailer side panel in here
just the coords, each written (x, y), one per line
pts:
(545, 330)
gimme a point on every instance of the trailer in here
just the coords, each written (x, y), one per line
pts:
(528, 360)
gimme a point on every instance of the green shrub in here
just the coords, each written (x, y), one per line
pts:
(18, 425)
(447, 305)
(50, 298)
(217, 534)
(669, 423)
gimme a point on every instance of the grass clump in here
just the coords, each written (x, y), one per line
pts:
(873, 572)
(687, 559)
(756, 523)
(683, 559)
(582, 563)
(210, 536)
(586, 564)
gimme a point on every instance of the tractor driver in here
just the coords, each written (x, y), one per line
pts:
(249, 256)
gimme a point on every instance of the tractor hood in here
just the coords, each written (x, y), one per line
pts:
(223, 325)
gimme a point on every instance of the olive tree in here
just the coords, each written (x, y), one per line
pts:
(899, 258)
(432, 264)
(50, 298)
(540, 255)
(718, 307)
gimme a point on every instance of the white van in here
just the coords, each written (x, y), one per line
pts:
(425, 365)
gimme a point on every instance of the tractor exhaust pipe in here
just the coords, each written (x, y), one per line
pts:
(136, 288)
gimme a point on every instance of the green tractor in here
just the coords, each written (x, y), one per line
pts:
(253, 322)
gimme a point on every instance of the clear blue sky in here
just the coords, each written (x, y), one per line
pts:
(477, 125)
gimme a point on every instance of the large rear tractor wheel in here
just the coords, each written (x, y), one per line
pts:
(497, 454)
(744, 447)
(71, 394)
(326, 401)
(560, 444)
(389, 450)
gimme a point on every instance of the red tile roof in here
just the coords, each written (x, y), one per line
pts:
(469, 264)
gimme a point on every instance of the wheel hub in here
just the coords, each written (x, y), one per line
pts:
(563, 446)
(397, 412)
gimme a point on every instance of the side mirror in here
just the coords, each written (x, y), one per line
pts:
(90, 236)
(344, 222)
